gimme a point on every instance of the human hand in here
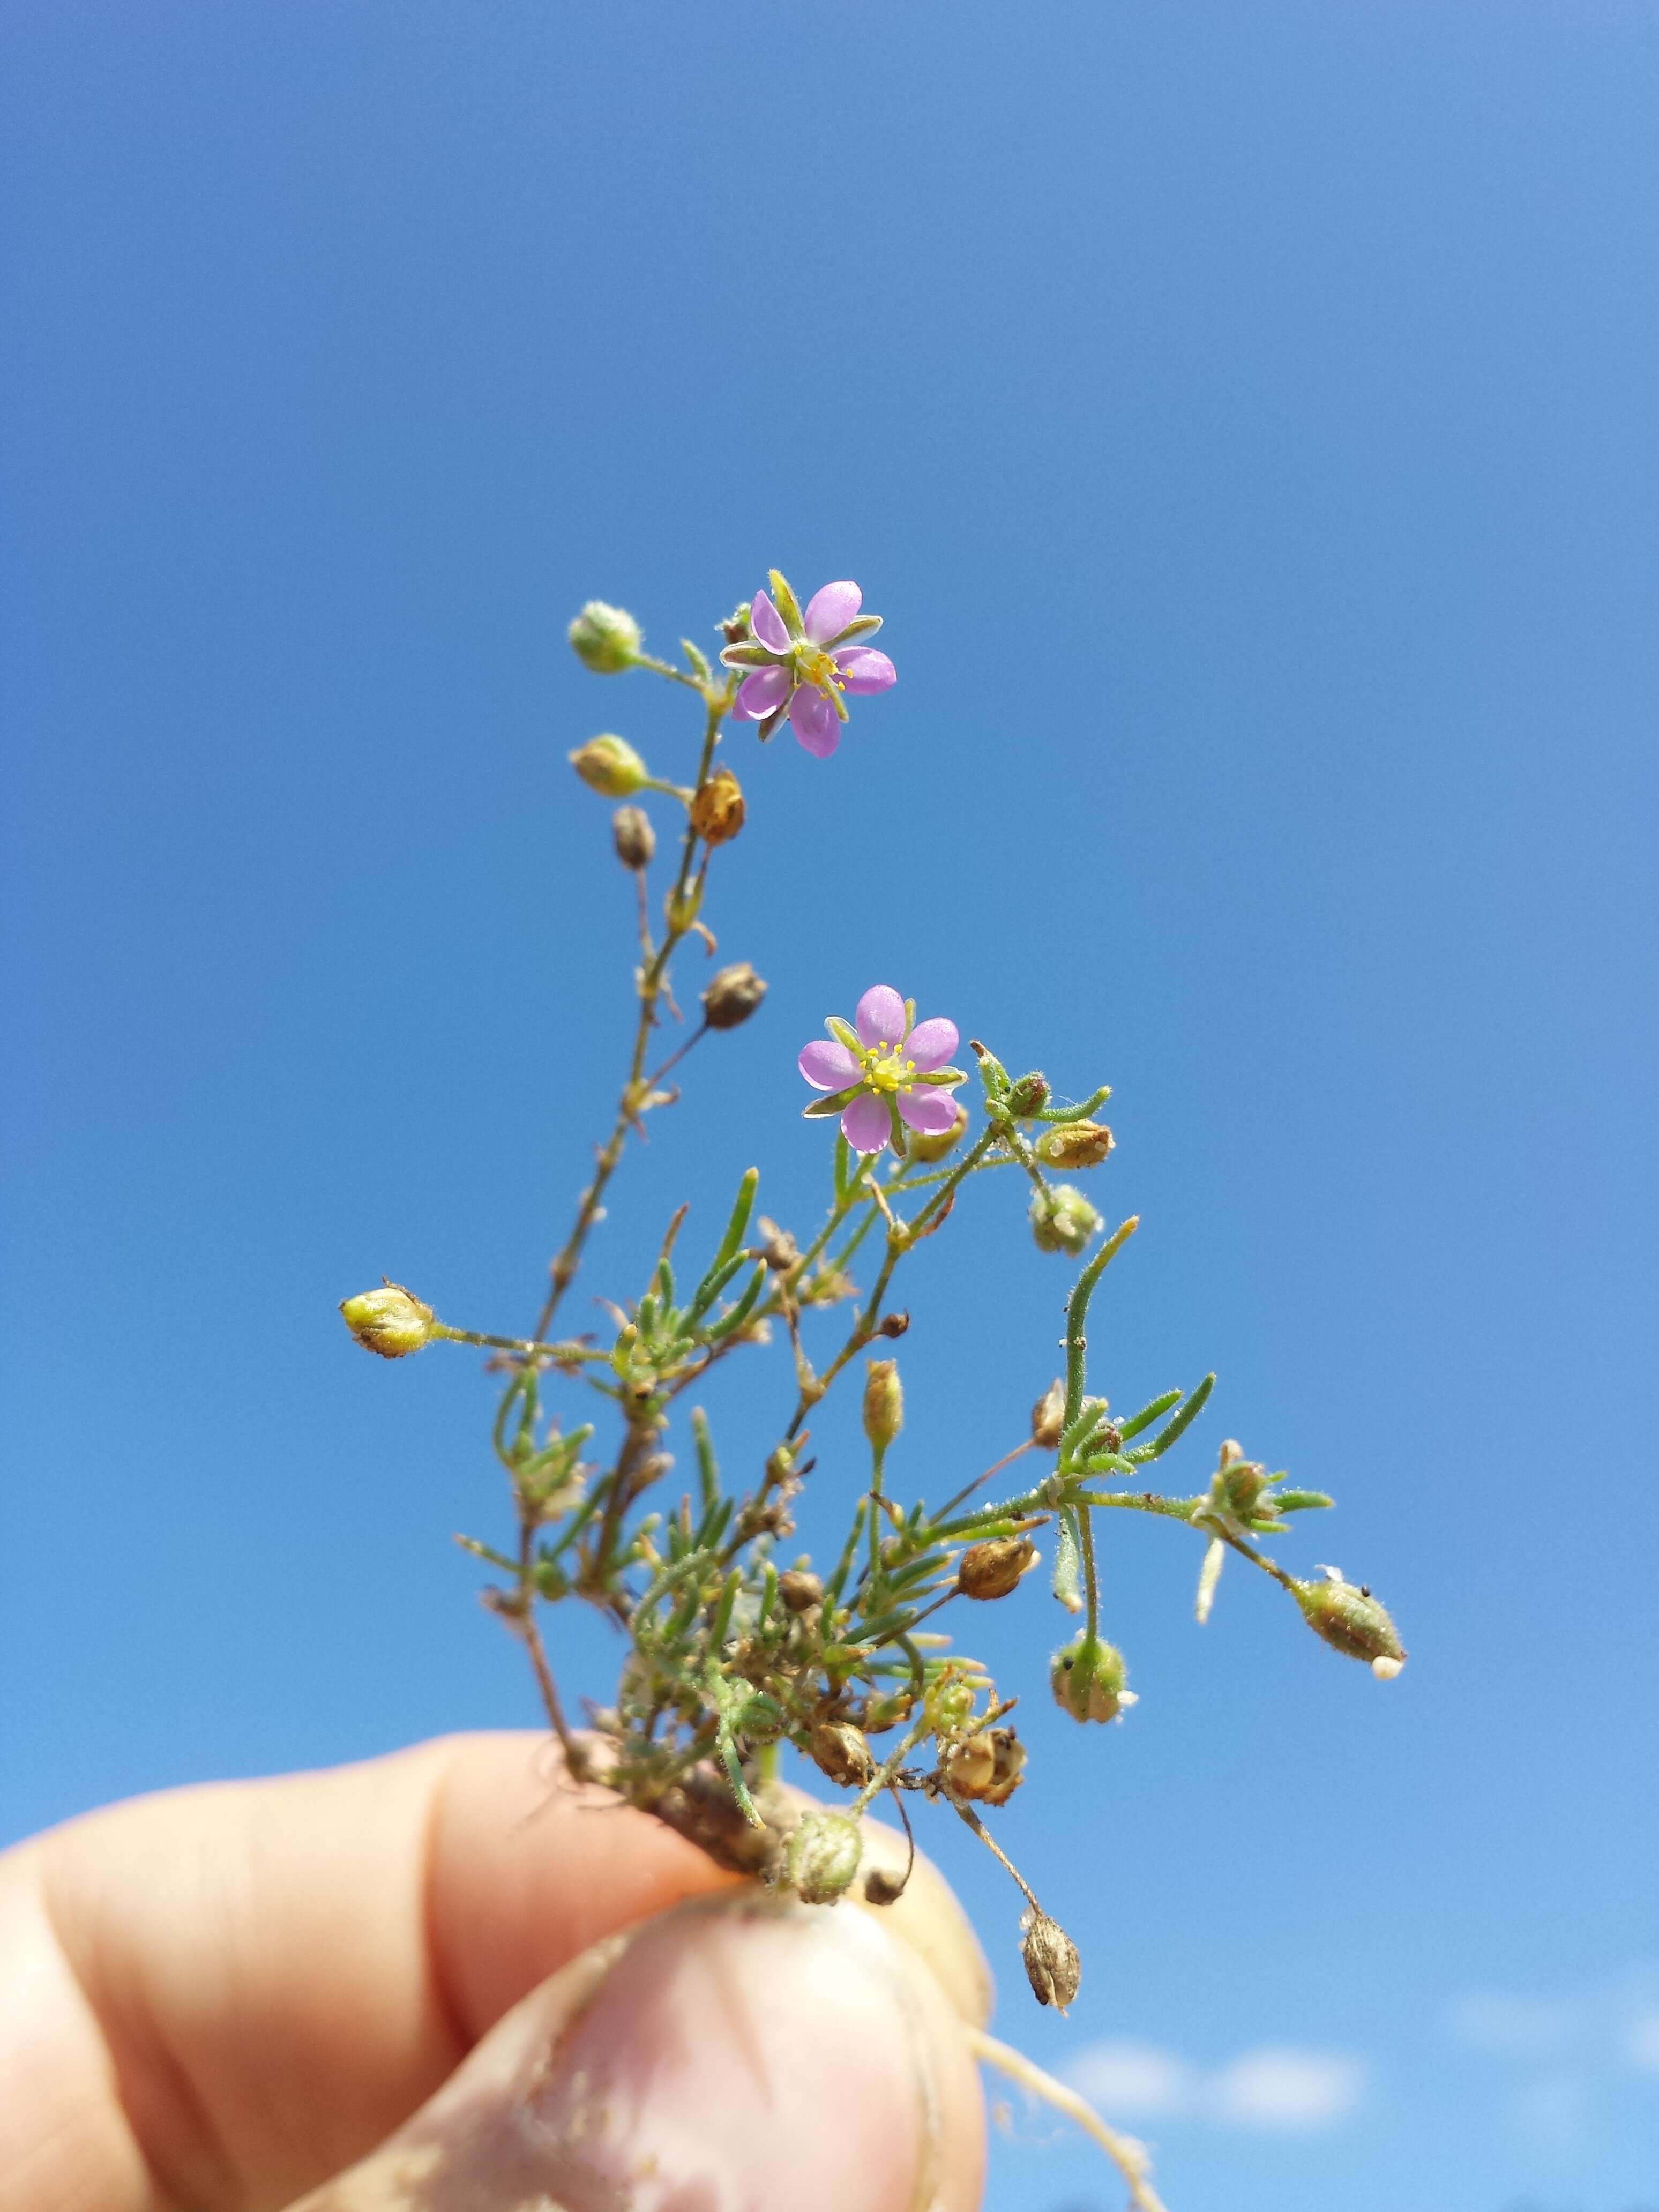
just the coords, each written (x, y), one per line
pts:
(377, 1988)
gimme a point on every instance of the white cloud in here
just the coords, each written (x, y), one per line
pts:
(1642, 2042)
(1271, 2090)
(1288, 2092)
(1134, 2081)
(1515, 2027)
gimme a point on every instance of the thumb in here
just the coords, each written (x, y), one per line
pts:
(739, 2053)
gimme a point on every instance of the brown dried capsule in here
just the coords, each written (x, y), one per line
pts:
(839, 1751)
(1049, 1417)
(989, 1767)
(1074, 1144)
(881, 1887)
(732, 995)
(635, 838)
(799, 1589)
(991, 1569)
(717, 808)
(1051, 1964)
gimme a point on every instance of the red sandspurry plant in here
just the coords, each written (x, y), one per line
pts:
(735, 1644)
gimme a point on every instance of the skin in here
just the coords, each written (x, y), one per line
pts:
(448, 1979)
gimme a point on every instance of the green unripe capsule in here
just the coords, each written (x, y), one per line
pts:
(1350, 1621)
(1087, 1677)
(391, 1320)
(822, 1856)
(604, 638)
(1063, 1219)
(609, 765)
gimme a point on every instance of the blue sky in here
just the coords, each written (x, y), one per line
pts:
(1245, 417)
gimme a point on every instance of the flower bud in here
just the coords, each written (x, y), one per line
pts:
(1049, 1417)
(1087, 1677)
(1029, 1094)
(635, 838)
(717, 808)
(1051, 1964)
(840, 1751)
(991, 1569)
(883, 1403)
(1074, 1144)
(920, 1146)
(609, 765)
(604, 638)
(799, 1589)
(735, 628)
(1350, 1619)
(822, 1856)
(732, 995)
(1063, 1219)
(391, 1320)
(893, 1324)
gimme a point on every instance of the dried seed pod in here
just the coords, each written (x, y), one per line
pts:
(992, 1569)
(1049, 1417)
(1074, 1144)
(840, 1751)
(881, 1887)
(799, 1589)
(989, 1767)
(391, 1320)
(1009, 1769)
(717, 808)
(1051, 1964)
(822, 1856)
(635, 838)
(732, 995)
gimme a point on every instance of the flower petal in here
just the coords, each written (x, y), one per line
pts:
(930, 1044)
(768, 623)
(866, 1125)
(828, 612)
(863, 669)
(828, 1066)
(879, 1019)
(930, 1112)
(815, 721)
(759, 694)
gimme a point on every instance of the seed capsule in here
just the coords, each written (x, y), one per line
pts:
(989, 1766)
(799, 1589)
(840, 1751)
(1074, 1144)
(391, 1320)
(1087, 1677)
(635, 838)
(822, 1856)
(920, 1146)
(1350, 1621)
(604, 638)
(992, 1569)
(883, 1403)
(717, 809)
(732, 995)
(609, 765)
(1051, 1964)
(1063, 1219)
(1049, 1417)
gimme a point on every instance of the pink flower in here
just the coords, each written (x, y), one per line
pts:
(802, 663)
(884, 1071)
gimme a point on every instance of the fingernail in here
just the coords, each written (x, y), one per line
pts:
(741, 2056)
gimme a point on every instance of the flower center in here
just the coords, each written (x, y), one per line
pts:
(814, 665)
(886, 1068)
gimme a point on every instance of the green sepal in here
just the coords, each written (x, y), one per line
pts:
(860, 626)
(786, 604)
(751, 656)
(1301, 1501)
(940, 1075)
(835, 1103)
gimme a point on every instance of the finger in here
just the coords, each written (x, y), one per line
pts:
(736, 2055)
(225, 1994)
